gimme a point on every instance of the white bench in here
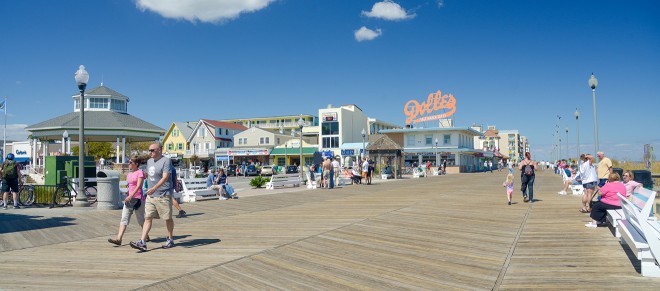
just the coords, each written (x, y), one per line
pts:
(283, 180)
(417, 173)
(640, 199)
(195, 189)
(344, 178)
(641, 235)
(435, 171)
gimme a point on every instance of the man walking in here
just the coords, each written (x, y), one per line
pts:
(604, 169)
(159, 197)
(10, 174)
(335, 168)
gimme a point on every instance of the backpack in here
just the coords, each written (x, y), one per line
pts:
(9, 170)
(529, 170)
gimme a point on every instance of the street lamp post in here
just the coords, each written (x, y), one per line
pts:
(567, 154)
(301, 124)
(436, 151)
(593, 83)
(364, 134)
(65, 138)
(82, 77)
(577, 130)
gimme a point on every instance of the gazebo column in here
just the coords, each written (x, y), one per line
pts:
(117, 152)
(123, 149)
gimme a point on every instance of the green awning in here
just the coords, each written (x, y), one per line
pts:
(292, 151)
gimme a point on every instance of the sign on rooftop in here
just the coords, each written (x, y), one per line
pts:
(443, 106)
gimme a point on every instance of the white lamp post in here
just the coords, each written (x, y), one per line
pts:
(567, 154)
(577, 130)
(82, 77)
(364, 134)
(436, 151)
(65, 138)
(301, 124)
(593, 83)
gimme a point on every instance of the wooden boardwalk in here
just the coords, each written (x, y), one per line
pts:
(437, 233)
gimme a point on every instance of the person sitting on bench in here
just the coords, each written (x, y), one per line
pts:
(355, 176)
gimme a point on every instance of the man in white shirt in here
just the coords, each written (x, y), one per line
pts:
(335, 169)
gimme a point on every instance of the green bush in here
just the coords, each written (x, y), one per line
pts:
(259, 181)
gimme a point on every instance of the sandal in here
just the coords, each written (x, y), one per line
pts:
(584, 210)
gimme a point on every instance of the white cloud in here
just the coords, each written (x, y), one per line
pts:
(212, 11)
(364, 33)
(441, 3)
(16, 132)
(388, 10)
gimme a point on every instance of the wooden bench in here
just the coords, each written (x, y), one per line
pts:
(641, 235)
(195, 189)
(640, 199)
(283, 180)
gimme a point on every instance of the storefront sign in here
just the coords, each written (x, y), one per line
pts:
(347, 152)
(330, 116)
(247, 152)
(415, 112)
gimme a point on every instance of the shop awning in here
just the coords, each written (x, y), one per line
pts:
(293, 151)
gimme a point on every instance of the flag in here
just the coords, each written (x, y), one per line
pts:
(2, 104)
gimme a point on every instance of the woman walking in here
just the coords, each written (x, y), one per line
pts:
(527, 174)
(589, 181)
(133, 202)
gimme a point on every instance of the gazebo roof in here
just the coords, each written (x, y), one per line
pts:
(382, 142)
(103, 91)
(99, 126)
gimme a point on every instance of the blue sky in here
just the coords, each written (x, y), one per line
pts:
(512, 64)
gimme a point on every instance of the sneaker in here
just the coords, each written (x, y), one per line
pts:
(4, 207)
(525, 199)
(17, 207)
(147, 239)
(591, 225)
(168, 244)
(234, 197)
(140, 245)
(181, 214)
(509, 202)
(561, 192)
(114, 241)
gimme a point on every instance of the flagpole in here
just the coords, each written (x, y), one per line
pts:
(4, 135)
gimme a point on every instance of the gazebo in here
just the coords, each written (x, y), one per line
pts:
(106, 120)
(386, 151)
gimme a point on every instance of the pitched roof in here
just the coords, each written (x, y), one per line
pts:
(223, 124)
(99, 125)
(104, 91)
(382, 142)
(186, 127)
(491, 133)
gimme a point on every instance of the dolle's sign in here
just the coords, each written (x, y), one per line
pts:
(415, 112)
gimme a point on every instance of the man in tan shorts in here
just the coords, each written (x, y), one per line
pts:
(327, 166)
(159, 197)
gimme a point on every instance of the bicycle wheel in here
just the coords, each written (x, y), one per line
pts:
(90, 193)
(26, 195)
(61, 197)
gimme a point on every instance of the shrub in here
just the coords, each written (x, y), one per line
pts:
(259, 181)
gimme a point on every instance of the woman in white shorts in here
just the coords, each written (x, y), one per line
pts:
(134, 201)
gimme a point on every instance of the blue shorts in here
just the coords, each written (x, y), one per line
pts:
(601, 182)
(590, 185)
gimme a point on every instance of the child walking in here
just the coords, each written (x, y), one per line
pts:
(509, 186)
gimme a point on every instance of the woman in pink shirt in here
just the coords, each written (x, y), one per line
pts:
(608, 200)
(631, 184)
(133, 203)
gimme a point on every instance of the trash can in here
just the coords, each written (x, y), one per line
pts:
(108, 196)
(618, 171)
(644, 177)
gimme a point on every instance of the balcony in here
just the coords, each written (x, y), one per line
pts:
(277, 125)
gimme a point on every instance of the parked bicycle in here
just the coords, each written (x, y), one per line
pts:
(62, 195)
(26, 195)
